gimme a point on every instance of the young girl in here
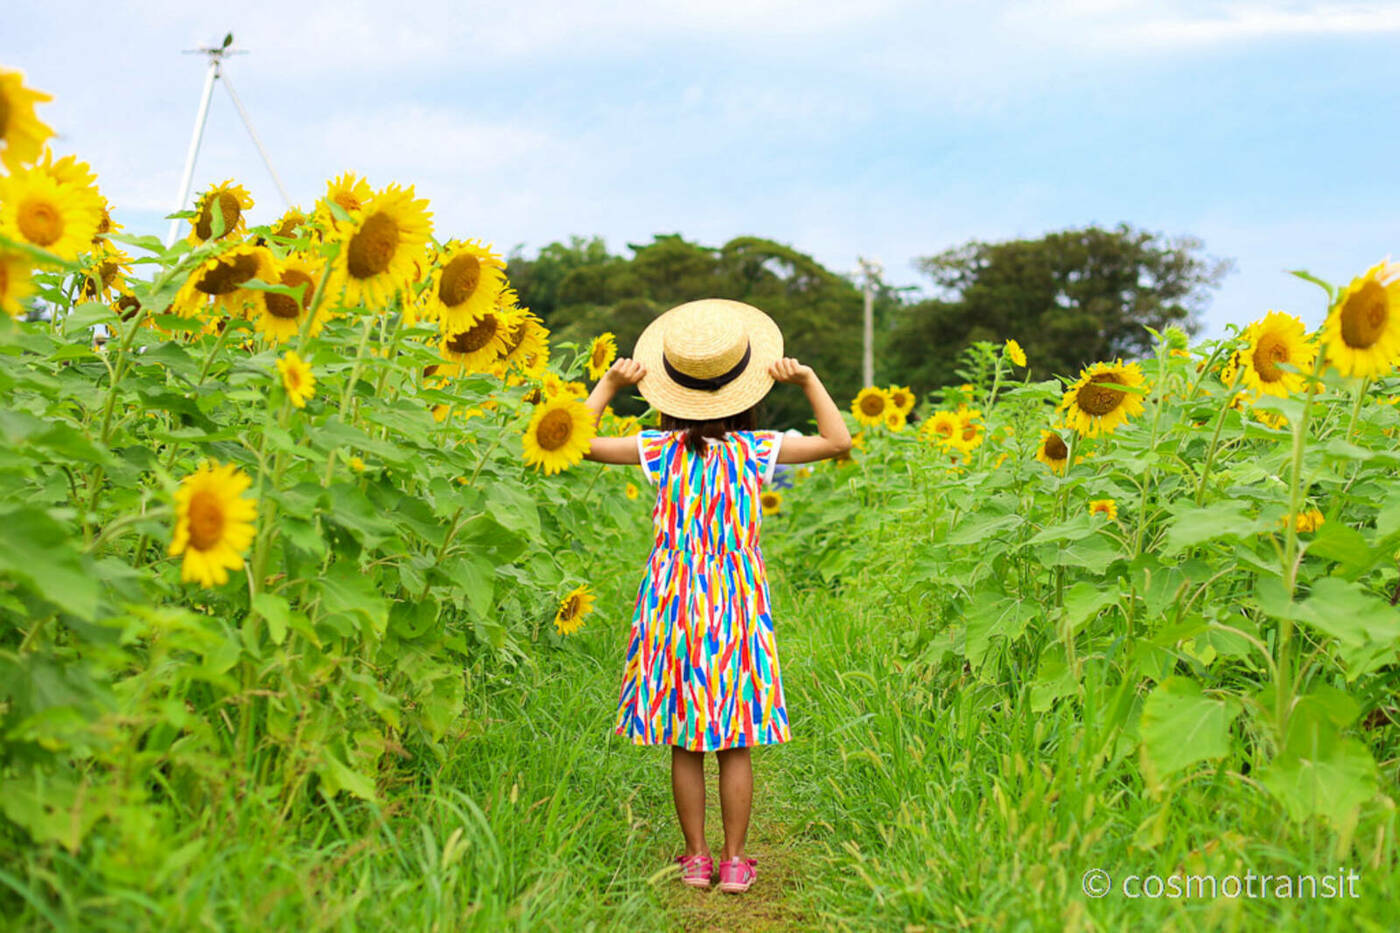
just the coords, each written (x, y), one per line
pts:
(702, 671)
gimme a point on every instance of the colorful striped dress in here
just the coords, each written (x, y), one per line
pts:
(702, 668)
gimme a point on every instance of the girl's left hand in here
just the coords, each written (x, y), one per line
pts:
(788, 369)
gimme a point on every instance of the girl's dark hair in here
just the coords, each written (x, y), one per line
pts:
(697, 431)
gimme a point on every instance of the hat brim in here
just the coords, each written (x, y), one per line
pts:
(747, 389)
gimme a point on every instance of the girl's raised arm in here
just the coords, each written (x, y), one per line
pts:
(834, 439)
(624, 372)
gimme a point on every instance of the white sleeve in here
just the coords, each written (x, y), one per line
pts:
(642, 460)
(773, 458)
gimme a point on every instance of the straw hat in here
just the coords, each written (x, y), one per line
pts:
(708, 359)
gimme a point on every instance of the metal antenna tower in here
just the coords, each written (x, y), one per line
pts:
(216, 56)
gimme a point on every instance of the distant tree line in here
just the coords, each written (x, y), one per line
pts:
(1070, 298)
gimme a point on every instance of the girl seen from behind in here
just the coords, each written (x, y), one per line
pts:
(701, 672)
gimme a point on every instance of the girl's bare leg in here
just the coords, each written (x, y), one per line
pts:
(688, 787)
(735, 798)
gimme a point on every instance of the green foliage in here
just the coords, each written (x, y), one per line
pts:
(1070, 298)
(396, 558)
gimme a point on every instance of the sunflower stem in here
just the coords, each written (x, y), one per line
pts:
(1283, 694)
(446, 540)
(359, 362)
(213, 353)
(1215, 437)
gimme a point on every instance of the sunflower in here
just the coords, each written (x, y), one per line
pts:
(15, 282)
(221, 280)
(1015, 353)
(378, 250)
(870, 405)
(289, 223)
(1092, 406)
(601, 354)
(350, 192)
(478, 346)
(559, 434)
(1104, 507)
(296, 378)
(627, 426)
(1278, 338)
(1052, 451)
(1306, 522)
(554, 387)
(106, 271)
(465, 285)
(22, 136)
(771, 500)
(572, 608)
(232, 202)
(213, 523)
(901, 398)
(942, 428)
(632, 491)
(79, 180)
(1362, 331)
(970, 433)
(36, 209)
(526, 346)
(895, 420)
(280, 317)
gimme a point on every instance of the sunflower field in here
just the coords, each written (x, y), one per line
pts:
(312, 618)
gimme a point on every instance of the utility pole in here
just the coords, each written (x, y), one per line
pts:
(216, 56)
(871, 269)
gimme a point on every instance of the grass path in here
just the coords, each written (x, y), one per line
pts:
(774, 902)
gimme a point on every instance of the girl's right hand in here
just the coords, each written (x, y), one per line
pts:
(788, 369)
(625, 372)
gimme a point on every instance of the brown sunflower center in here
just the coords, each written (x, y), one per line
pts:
(288, 226)
(1364, 316)
(474, 337)
(4, 274)
(206, 516)
(229, 209)
(1055, 447)
(228, 274)
(39, 222)
(555, 429)
(769, 499)
(127, 306)
(1270, 352)
(346, 200)
(872, 404)
(969, 432)
(1098, 400)
(104, 226)
(515, 337)
(459, 280)
(373, 246)
(4, 114)
(570, 609)
(898, 399)
(285, 306)
(600, 354)
(944, 429)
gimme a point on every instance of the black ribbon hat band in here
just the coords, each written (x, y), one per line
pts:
(712, 384)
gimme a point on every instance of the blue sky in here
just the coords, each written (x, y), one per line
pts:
(883, 128)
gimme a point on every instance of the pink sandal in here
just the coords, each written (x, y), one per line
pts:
(696, 869)
(737, 875)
